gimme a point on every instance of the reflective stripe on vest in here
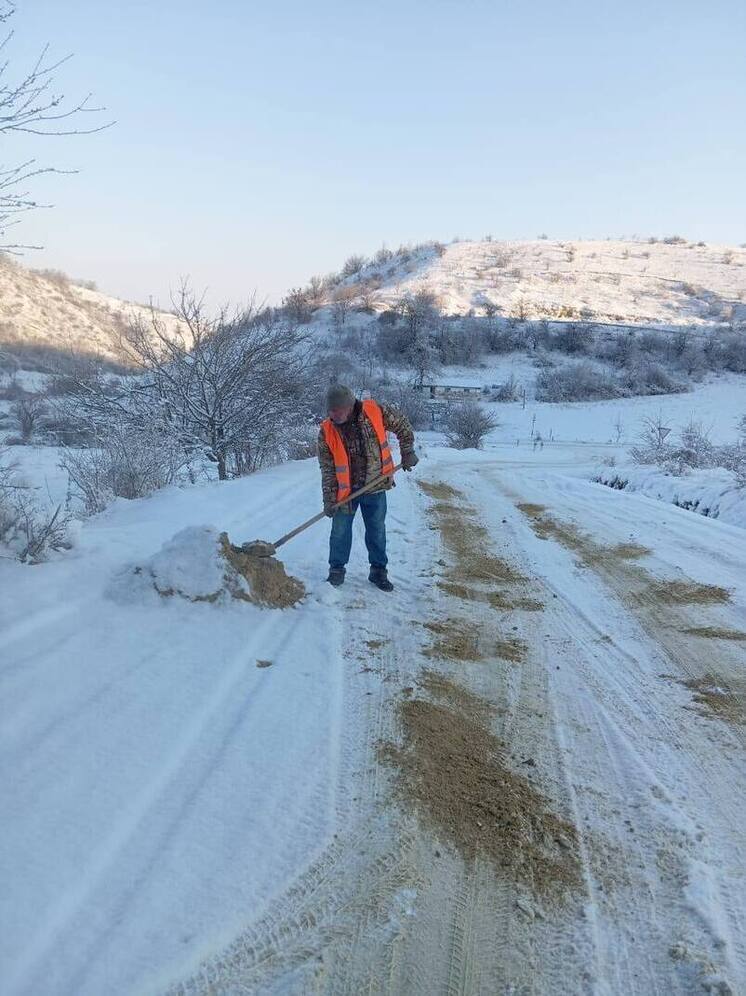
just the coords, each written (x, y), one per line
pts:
(375, 416)
(334, 441)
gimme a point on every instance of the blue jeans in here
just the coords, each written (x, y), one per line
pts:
(373, 508)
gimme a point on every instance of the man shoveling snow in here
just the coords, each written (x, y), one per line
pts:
(354, 452)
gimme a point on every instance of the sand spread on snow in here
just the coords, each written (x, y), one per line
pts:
(200, 564)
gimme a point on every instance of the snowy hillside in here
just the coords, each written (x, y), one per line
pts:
(611, 281)
(45, 309)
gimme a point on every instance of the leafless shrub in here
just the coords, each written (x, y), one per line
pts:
(733, 352)
(645, 378)
(468, 424)
(26, 414)
(388, 317)
(690, 449)
(366, 293)
(507, 391)
(58, 277)
(382, 256)
(733, 458)
(576, 382)
(29, 530)
(353, 265)
(409, 401)
(419, 310)
(574, 339)
(341, 303)
(123, 464)
(520, 309)
(652, 446)
(302, 444)
(298, 304)
(13, 391)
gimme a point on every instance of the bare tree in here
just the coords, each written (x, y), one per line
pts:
(230, 387)
(421, 356)
(353, 265)
(367, 291)
(30, 104)
(298, 304)
(418, 310)
(341, 303)
(652, 445)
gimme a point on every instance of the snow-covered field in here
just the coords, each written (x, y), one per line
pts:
(194, 800)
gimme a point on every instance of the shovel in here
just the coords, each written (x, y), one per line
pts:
(261, 548)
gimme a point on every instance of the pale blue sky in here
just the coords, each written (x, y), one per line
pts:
(257, 144)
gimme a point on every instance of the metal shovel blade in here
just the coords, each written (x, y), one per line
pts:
(259, 548)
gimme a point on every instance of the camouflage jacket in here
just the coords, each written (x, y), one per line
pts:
(394, 421)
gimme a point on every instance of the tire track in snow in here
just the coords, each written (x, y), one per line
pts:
(351, 898)
(656, 741)
(105, 855)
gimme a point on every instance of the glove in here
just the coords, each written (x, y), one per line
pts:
(329, 509)
(409, 460)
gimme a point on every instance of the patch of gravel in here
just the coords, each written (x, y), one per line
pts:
(454, 772)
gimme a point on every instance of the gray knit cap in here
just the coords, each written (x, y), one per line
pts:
(339, 396)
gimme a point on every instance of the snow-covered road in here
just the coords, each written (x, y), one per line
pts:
(173, 812)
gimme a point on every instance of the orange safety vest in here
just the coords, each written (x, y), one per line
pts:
(333, 437)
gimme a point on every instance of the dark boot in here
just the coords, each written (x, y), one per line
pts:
(336, 576)
(379, 577)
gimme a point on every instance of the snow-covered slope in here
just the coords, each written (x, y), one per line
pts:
(606, 281)
(47, 310)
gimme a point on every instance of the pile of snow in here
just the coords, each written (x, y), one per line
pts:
(712, 492)
(200, 564)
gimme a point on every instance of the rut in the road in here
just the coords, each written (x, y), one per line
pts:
(662, 607)
(476, 574)
(451, 767)
(455, 771)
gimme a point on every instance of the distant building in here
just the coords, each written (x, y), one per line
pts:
(450, 392)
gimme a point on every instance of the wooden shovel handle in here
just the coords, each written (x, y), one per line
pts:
(339, 504)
